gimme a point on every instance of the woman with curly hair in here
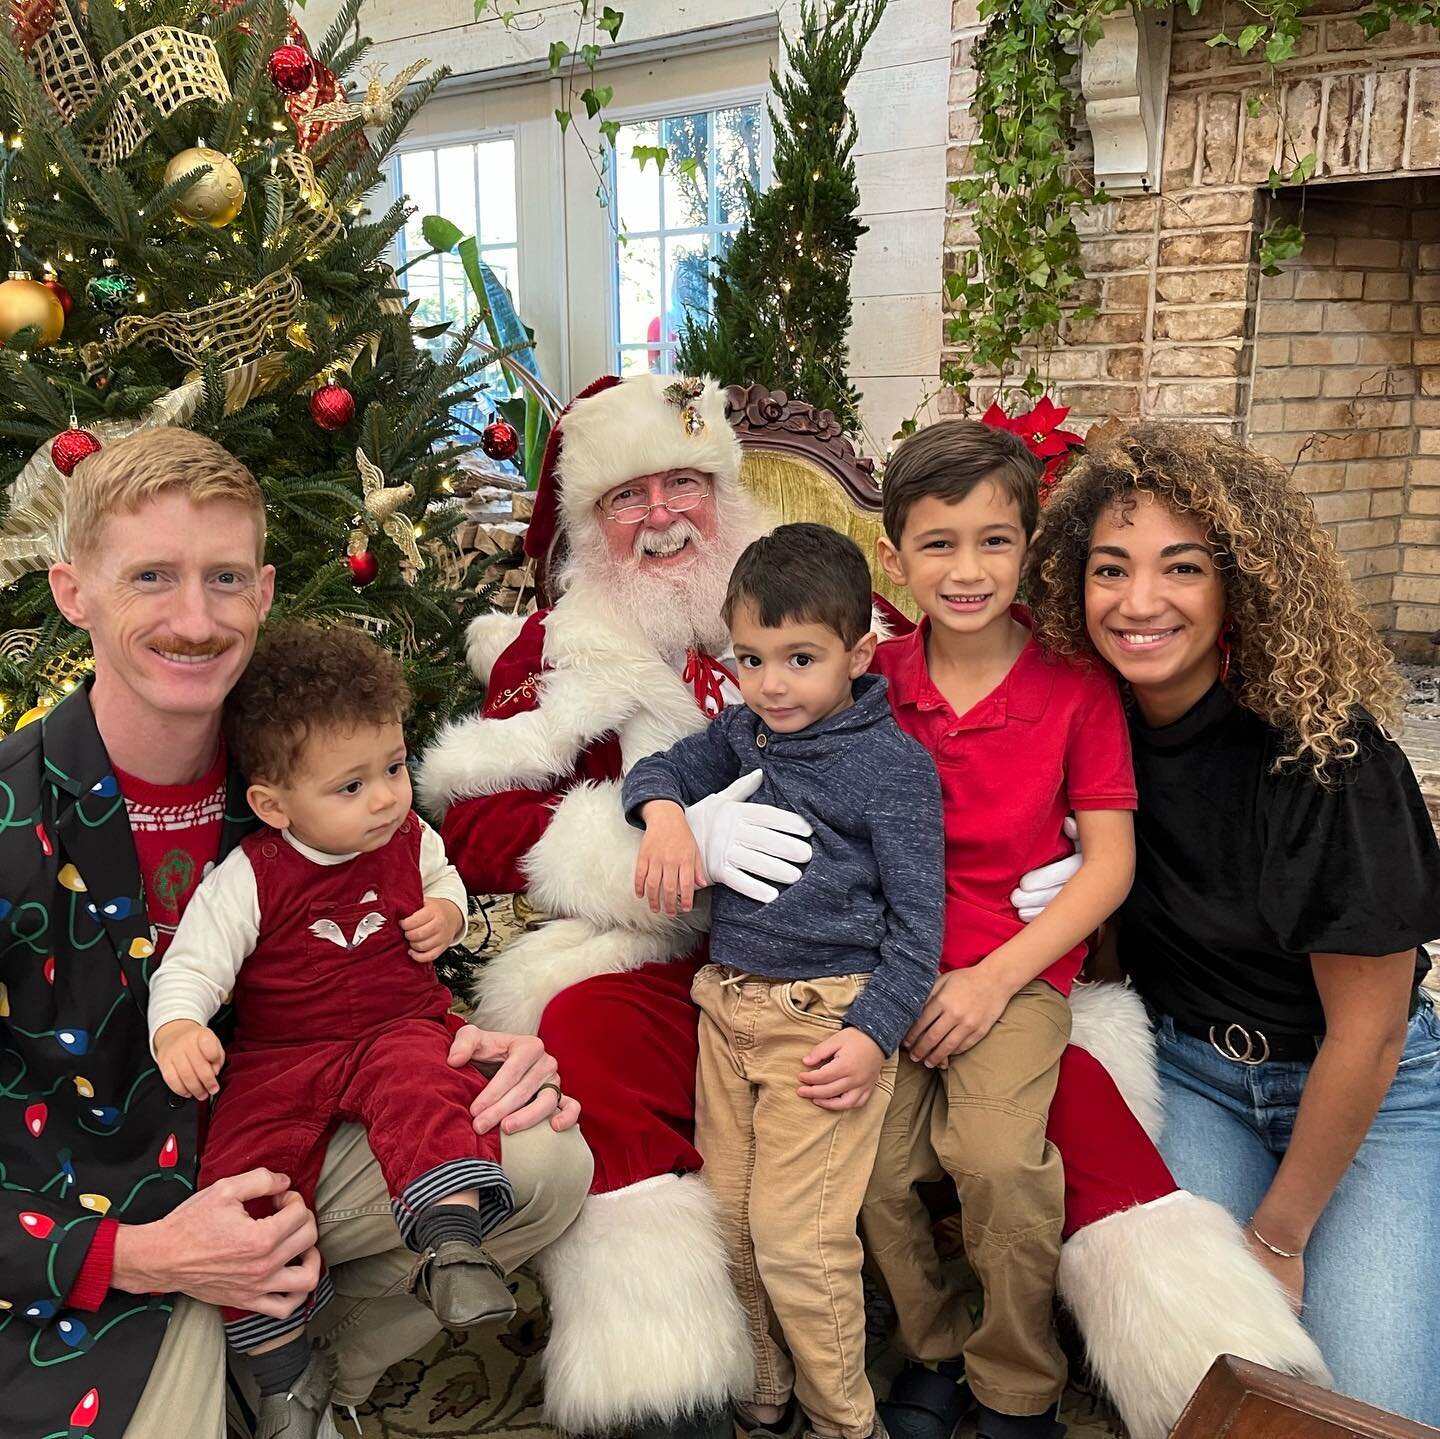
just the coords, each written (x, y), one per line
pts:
(1286, 876)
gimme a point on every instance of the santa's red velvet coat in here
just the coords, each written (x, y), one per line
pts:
(644, 1322)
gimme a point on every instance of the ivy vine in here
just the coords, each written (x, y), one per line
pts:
(575, 66)
(1025, 190)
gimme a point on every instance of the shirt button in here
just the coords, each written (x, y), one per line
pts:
(759, 741)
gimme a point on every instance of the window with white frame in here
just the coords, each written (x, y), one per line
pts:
(472, 184)
(675, 221)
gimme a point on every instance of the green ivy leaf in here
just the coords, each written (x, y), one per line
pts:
(590, 55)
(610, 22)
(563, 118)
(610, 129)
(1376, 22)
(1254, 104)
(689, 167)
(1280, 47)
(1249, 38)
(596, 98)
(641, 154)
(558, 51)
(1305, 169)
(1221, 39)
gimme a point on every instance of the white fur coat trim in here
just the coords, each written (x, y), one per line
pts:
(1109, 1021)
(487, 637)
(604, 677)
(1160, 1291)
(644, 1320)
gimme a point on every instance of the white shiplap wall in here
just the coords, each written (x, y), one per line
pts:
(500, 82)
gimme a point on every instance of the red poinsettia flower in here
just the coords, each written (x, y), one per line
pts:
(1040, 429)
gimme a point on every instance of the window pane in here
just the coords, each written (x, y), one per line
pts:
(637, 191)
(496, 163)
(687, 204)
(639, 292)
(687, 283)
(737, 159)
(638, 361)
(456, 195)
(417, 180)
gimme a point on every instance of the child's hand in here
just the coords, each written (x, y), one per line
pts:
(432, 929)
(842, 1071)
(669, 869)
(190, 1057)
(961, 1011)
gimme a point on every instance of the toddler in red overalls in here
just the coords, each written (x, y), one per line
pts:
(325, 925)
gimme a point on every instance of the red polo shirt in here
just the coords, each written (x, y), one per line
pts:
(1050, 738)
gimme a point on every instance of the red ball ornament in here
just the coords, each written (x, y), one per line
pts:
(31, 19)
(291, 69)
(62, 294)
(500, 440)
(332, 407)
(69, 448)
(363, 568)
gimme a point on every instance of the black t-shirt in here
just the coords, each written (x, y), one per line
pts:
(1243, 873)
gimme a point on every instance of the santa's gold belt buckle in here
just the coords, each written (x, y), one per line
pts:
(1252, 1053)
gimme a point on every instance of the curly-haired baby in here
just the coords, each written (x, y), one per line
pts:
(325, 926)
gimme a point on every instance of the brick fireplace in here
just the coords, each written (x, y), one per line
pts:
(1332, 366)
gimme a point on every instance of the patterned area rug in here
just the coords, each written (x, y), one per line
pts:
(492, 1385)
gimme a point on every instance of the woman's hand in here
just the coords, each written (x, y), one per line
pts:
(1290, 1272)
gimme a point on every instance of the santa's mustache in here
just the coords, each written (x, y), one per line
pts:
(186, 649)
(667, 541)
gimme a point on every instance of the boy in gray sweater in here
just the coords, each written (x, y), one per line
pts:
(807, 997)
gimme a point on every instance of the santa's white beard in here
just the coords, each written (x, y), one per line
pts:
(676, 607)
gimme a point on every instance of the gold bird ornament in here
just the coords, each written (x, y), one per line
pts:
(384, 504)
(378, 106)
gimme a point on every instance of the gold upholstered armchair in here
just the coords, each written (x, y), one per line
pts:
(800, 466)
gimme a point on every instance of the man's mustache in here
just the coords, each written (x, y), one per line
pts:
(189, 650)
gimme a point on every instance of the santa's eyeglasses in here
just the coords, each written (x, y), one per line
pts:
(683, 493)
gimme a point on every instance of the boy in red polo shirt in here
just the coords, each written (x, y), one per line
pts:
(1020, 739)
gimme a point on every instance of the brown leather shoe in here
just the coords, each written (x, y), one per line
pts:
(463, 1286)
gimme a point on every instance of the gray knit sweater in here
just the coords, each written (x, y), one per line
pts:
(872, 899)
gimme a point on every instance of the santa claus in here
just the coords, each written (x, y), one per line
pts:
(641, 509)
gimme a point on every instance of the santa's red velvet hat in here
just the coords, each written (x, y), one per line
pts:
(614, 430)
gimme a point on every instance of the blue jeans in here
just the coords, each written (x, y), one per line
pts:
(1372, 1267)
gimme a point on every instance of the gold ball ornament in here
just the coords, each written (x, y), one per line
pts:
(25, 303)
(214, 199)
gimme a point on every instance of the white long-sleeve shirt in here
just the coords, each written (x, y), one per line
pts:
(221, 925)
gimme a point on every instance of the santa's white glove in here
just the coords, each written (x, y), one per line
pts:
(1041, 885)
(743, 845)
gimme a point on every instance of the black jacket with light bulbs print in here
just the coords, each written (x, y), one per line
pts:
(88, 1128)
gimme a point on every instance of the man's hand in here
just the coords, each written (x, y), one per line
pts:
(432, 929)
(842, 1071)
(669, 869)
(190, 1058)
(1040, 886)
(961, 1011)
(211, 1249)
(743, 845)
(518, 1067)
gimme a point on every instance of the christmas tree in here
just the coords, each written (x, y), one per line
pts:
(782, 293)
(182, 192)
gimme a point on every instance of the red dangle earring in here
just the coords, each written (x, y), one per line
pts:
(1226, 644)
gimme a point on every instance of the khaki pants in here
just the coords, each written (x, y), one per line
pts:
(373, 1321)
(982, 1122)
(789, 1177)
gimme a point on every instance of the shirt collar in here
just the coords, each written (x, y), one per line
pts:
(1022, 695)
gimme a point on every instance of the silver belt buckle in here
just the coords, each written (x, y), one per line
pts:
(1251, 1054)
